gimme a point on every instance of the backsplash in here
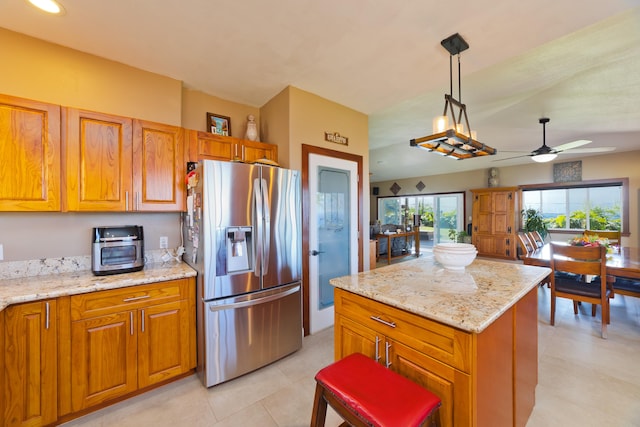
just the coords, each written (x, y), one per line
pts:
(46, 266)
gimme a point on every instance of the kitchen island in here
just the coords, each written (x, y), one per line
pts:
(469, 336)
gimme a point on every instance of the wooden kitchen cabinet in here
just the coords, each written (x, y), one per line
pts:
(29, 384)
(98, 153)
(158, 167)
(127, 339)
(495, 222)
(483, 379)
(120, 164)
(416, 348)
(252, 151)
(29, 155)
(208, 146)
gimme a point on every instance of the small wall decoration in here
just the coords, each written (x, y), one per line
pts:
(420, 186)
(336, 137)
(395, 188)
(252, 129)
(219, 125)
(567, 171)
(493, 177)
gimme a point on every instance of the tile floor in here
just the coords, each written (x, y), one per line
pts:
(583, 381)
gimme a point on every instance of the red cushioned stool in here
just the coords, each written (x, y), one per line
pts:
(364, 393)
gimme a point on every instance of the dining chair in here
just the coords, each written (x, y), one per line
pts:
(536, 238)
(525, 244)
(582, 261)
(614, 237)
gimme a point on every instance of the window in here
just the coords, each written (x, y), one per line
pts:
(438, 212)
(593, 205)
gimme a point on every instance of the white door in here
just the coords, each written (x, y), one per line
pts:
(333, 232)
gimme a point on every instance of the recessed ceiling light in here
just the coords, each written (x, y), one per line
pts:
(49, 6)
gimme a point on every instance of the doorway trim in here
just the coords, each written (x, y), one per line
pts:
(306, 201)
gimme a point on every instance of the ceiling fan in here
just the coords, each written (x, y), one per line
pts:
(546, 154)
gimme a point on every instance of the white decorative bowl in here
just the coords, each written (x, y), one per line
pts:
(454, 257)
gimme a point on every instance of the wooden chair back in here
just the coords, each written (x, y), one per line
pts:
(614, 237)
(536, 238)
(525, 244)
(582, 261)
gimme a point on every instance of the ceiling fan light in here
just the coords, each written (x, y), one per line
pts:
(543, 158)
(49, 6)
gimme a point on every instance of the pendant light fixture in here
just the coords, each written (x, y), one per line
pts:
(450, 137)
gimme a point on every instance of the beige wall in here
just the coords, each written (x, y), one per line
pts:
(196, 105)
(617, 165)
(275, 125)
(42, 71)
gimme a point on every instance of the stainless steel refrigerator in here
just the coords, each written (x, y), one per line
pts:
(242, 234)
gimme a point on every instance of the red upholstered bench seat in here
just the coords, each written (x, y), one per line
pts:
(372, 393)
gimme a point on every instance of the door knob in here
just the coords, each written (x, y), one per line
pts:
(315, 253)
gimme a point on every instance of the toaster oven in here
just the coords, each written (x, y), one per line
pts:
(117, 249)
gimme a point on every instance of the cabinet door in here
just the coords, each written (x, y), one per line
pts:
(351, 337)
(30, 386)
(29, 155)
(163, 342)
(98, 155)
(483, 213)
(254, 150)
(502, 212)
(103, 359)
(158, 167)
(205, 145)
(450, 385)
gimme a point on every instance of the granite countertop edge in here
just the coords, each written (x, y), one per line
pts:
(39, 287)
(470, 300)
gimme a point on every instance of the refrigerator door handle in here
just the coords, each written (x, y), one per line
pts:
(234, 303)
(267, 227)
(259, 221)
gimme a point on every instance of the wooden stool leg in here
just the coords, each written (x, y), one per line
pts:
(319, 408)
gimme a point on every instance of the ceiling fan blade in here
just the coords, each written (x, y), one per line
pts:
(588, 150)
(509, 158)
(572, 145)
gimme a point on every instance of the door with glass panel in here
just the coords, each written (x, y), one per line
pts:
(448, 214)
(333, 232)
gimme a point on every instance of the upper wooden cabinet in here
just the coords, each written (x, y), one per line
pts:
(116, 163)
(158, 167)
(98, 150)
(29, 155)
(494, 221)
(207, 146)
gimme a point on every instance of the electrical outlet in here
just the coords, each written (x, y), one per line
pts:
(1, 252)
(164, 242)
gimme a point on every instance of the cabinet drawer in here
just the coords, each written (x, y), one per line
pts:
(444, 343)
(112, 301)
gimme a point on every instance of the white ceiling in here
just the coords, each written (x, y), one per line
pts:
(575, 61)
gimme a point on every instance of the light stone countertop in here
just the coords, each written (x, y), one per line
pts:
(47, 282)
(469, 300)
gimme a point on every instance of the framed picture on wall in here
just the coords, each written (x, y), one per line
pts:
(219, 125)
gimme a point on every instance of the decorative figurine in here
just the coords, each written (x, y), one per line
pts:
(493, 177)
(252, 129)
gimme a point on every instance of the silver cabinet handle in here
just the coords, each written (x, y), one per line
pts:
(131, 322)
(377, 351)
(384, 322)
(386, 354)
(126, 200)
(46, 319)
(136, 298)
(142, 320)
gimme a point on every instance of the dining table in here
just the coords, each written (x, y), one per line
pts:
(623, 261)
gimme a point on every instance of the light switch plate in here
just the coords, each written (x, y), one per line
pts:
(1, 252)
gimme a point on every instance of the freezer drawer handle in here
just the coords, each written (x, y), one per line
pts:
(384, 322)
(315, 253)
(257, 301)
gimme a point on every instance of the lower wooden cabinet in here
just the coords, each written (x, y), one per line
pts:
(127, 339)
(29, 385)
(66, 355)
(483, 379)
